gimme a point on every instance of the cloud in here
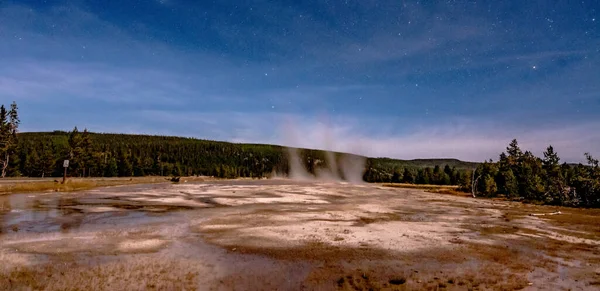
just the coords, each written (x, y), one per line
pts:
(31, 79)
(461, 138)
(365, 82)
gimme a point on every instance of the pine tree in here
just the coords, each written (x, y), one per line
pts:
(465, 182)
(111, 169)
(587, 183)
(551, 159)
(31, 163)
(555, 181)
(445, 180)
(507, 183)
(138, 167)
(436, 177)
(125, 169)
(420, 179)
(448, 170)
(86, 152)
(408, 176)
(514, 152)
(396, 176)
(47, 160)
(177, 172)
(75, 151)
(488, 185)
(9, 125)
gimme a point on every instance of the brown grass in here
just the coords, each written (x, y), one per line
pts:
(78, 184)
(419, 186)
(464, 268)
(129, 275)
(310, 251)
(439, 189)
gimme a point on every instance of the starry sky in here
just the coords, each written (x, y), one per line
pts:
(403, 79)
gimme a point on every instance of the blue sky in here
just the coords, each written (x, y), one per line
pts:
(403, 79)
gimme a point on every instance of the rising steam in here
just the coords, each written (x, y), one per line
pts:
(336, 167)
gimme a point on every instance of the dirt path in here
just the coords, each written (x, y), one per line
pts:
(284, 235)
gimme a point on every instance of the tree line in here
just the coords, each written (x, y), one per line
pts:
(377, 172)
(120, 155)
(516, 175)
(111, 155)
(521, 175)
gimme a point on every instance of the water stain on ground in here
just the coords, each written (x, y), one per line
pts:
(281, 234)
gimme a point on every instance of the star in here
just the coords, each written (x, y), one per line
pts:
(534, 67)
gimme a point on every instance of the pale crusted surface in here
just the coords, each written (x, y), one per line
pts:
(226, 235)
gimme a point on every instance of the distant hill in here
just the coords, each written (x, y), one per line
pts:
(109, 154)
(423, 163)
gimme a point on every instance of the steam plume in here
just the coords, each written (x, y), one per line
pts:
(349, 167)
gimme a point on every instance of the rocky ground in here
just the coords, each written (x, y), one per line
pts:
(286, 235)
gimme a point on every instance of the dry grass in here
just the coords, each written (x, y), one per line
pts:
(440, 189)
(467, 267)
(419, 186)
(78, 184)
(133, 274)
(46, 186)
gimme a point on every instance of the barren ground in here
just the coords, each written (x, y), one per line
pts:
(285, 235)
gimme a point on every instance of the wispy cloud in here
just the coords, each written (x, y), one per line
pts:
(37, 79)
(461, 138)
(351, 77)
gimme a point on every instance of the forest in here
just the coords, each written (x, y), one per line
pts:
(516, 175)
(520, 175)
(41, 154)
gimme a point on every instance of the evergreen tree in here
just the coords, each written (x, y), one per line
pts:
(488, 185)
(448, 170)
(86, 152)
(396, 176)
(555, 182)
(551, 159)
(465, 181)
(125, 169)
(587, 183)
(111, 169)
(9, 126)
(47, 160)
(177, 172)
(420, 179)
(514, 152)
(455, 177)
(75, 151)
(436, 177)
(530, 184)
(408, 176)
(445, 180)
(31, 162)
(138, 167)
(507, 183)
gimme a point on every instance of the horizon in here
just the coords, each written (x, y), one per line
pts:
(278, 145)
(407, 80)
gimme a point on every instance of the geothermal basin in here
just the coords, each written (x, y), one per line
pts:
(289, 235)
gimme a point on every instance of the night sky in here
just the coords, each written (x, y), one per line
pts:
(401, 79)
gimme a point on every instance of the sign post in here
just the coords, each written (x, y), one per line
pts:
(65, 165)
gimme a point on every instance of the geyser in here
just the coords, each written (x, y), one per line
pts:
(334, 167)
